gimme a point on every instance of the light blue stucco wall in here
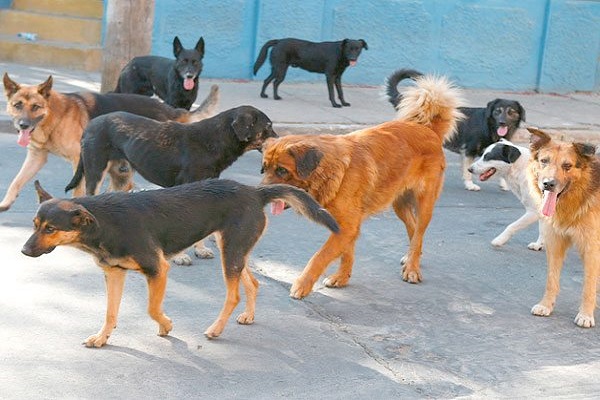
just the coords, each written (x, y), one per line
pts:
(547, 45)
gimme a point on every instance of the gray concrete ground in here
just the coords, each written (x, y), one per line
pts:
(466, 331)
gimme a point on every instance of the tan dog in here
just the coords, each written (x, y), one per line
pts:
(353, 176)
(565, 178)
(53, 122)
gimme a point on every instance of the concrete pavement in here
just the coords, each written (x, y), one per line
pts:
(465, 332)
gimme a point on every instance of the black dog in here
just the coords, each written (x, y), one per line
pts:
(139, 231)
(480, 127)
(329, 58)
(169, 153)
(174, 81)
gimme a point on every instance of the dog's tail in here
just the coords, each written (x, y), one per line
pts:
(209, 106)
(299, 200)
(391, 84)
(432, 102)
(77, 177)
(262, 56)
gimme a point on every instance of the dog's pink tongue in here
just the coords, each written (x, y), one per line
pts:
(188, 83)
(352, 63)
(277, 207)
(502, 131)
(24, 137)
(549, 203)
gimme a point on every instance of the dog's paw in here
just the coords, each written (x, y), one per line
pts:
(98, 340)
(204, 252)
(182, 259)
(245, 318)
(499, 241)
(345, 104)
(277, 97)
(584, 320)
(504, 185)
(471, 186)
(411, 275)
(336, 280)
(300, 289)
(336, 105)
(535, 246)
(541, 310)
(165, 326)
(264, 96)
(404, 259)
(214, 330)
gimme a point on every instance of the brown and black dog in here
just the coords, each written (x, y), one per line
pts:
(53, 122)
(565, 178)
(399, 163)
(139, 231)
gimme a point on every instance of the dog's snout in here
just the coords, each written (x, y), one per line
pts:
(470, 169)
(549, 184)
(24, 124)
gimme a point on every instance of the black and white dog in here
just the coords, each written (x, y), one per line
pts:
(509, 161)
(481, 126)
(174, 81)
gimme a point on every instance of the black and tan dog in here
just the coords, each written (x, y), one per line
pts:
(170, 153)
(329, 58)
(53, 122)
(481, 126)
(139, 231)
(174, 81)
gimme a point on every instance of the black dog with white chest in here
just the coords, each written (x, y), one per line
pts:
(481, 127)
(329, 58)
(174, 81)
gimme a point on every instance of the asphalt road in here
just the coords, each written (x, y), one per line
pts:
(466, 331)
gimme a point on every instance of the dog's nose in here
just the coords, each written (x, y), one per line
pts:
(549, 184)
(470, 169)
(24, 124)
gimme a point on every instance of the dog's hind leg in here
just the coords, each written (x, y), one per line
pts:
(115, 281)
(523, 222)
(251, 288)
(201, 251)
(232, 267)
(34, 161)
(279, 77)
(556, 250)
(266, 83)
(156, 294)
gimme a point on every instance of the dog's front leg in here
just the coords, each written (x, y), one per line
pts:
(330, 82)
(523, 222)
(34, 161)
(539, 243)
(556, 249)
(114, 278)
(591, 267)
(338, 86)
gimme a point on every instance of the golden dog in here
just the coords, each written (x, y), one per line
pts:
(53, 122)
(400, 162)
(565, 177)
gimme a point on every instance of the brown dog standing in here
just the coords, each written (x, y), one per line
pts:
(53, 122)
(565, 178)
(399, 163)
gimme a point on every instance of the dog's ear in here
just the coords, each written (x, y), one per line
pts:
(364, 44)
(511, 153)
(307, 160)
(42, 194)
(200, 46)
(243, 125)
(80, 216)
(177, 47)
(45, 88)
(585, 150)
(10, 87)
(538, 138)
(344, 43)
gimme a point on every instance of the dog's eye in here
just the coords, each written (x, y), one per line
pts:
(544, 161)
(281, 172)
(18, 105)
(49, 229)
(35, 107)
(567, 166)
(512, 112)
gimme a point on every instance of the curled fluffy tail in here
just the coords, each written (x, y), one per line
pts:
(262, 56)
(209, 106)
(300, 201)
(77, 177)
(391, 84)
(432, 102)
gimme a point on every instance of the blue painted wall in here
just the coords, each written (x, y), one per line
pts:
(547, 45)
